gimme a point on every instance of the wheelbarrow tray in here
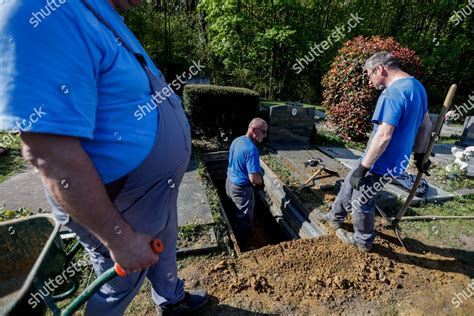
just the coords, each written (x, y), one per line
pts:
(26, 251)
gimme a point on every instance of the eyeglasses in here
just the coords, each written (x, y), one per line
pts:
(264, 131)
(372, 73)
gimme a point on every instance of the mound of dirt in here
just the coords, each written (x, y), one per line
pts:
(324, 272)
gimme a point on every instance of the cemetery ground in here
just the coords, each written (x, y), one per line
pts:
(319, 275)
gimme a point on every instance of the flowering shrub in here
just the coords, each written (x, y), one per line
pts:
(347, 96)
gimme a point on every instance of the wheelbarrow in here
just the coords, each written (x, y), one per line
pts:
(33, 257)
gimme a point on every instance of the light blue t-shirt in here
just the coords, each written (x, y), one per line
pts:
(63, 72)
(243, 160)
(402, 104)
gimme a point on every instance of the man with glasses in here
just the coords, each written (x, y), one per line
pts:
(401, 124)
(244, 174)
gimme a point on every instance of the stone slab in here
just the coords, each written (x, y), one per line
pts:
(451, 130)
(350, 158)
(26, 190)
(296, 155)
(193, 207)
(467, 138)
(23, 190)
(290, 124)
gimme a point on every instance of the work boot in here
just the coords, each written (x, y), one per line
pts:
(325, 219)
(193, 301)
(348, 238)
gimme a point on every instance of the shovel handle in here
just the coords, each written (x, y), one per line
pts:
(157, 247)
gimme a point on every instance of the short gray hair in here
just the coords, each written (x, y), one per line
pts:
(382, 58)
(256, 122)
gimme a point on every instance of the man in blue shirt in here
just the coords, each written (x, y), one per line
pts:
(243, 175)
(401, 124)
(72, 75)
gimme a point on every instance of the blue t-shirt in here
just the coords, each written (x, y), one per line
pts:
(243, 160)
(63, 72)
(402, 104)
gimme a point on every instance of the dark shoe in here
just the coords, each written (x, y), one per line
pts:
(193, 301)
(348, 238)
(325, 219)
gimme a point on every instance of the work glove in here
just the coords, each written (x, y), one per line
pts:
(357, 177)
(261, 186)
(418, 157)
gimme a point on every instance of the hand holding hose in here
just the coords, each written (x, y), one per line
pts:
(136, 253)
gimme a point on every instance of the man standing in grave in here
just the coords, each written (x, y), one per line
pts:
(244, 174)
(401, 124)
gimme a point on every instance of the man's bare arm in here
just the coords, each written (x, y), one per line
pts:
(379, 143)
(256, 179)
(423, 135)
(72, 180)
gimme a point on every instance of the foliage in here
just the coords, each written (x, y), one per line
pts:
(348, 98)
(254, 44)
(6, 214)
(171, 32)
(451, 180)
(217, 110)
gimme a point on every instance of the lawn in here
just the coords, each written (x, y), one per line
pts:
(11, 161)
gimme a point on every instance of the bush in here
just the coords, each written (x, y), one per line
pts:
(219, 110)
(348, 99)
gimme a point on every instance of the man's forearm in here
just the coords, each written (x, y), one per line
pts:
(72, 180)
(376, 148)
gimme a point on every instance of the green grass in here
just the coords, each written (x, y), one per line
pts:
(439, 175)
(11, 162)
(277, 166)
(459, 206)
(448, 140)
(442, 232)
(306, 195)
(329, 139)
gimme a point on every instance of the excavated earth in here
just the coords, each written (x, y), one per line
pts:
(325, 276)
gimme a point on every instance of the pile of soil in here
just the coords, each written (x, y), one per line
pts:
(325, 275)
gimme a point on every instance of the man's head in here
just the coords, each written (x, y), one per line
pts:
(124, 4)
(379, 67)
(257, 130)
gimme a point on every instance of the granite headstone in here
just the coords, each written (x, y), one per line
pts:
(467, 138)
(289, 124)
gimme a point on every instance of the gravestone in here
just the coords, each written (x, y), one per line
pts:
(467, 138)
(290, 124)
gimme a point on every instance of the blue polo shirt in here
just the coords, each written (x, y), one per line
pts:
(63, 72)
(402, 104)
(243, 160)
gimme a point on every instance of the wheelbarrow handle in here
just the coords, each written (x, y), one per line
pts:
(157, 247)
